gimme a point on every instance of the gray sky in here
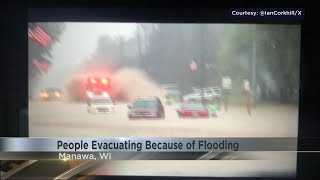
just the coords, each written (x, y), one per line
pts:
(78, 42)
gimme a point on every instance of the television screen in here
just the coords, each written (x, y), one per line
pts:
(168, 80)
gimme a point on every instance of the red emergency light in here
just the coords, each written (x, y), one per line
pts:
(104, 81)
(93, 81)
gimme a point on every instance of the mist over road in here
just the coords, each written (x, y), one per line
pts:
(65, 119)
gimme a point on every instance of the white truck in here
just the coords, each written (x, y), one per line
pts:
(209, 93)
(101, 104)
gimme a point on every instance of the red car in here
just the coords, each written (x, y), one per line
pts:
(195, 110)
(146, 108)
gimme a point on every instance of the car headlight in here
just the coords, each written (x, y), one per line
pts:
(57, 94)
(105, 94)
(44, 95)
(92, 109)
(90, 94)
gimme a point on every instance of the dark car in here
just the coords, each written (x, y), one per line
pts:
(146, 108)
(51, 94)
(194, 110)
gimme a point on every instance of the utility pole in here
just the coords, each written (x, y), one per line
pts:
(182, 80)
(202, 56)
(202, 60)
(139, 46)
(254, 62)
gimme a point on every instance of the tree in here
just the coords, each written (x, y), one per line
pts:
(171, 47)
(277, 56)
(54, 30)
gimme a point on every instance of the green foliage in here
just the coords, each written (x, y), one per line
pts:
(278, 55)
(55, 31)
(165, 51)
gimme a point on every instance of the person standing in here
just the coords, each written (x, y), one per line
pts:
(226, 94)
(212, 108)
(227, 86)
(168, 99)
(247, 95)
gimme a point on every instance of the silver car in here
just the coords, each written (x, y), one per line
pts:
(210, 93)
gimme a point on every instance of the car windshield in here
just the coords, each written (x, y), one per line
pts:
(52, 90)
(100, 101)
(145, 104)
(193, 107)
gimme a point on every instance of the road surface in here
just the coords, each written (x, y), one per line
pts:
(65, 119)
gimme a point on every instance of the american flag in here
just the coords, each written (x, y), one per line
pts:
(42, 65)
(193, 66)
(39, 36)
